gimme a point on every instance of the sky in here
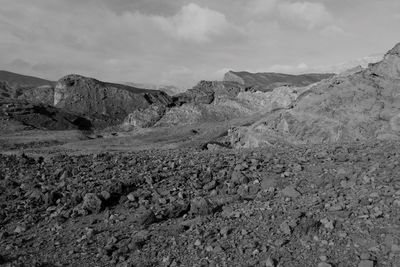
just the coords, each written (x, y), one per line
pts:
(180, 42)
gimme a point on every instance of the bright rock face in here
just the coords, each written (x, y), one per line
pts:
(360, 105)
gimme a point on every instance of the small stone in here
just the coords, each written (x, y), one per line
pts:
(395, 248)
(238, 178)
(267, 183)
(106, 195)
(224, 231)
(365, 256)
(269, 262)
(145, 217)
(290, 191)
(20, 229)
(200, 206)
(366, 263)
(209, 248)
(91, 203)
(285, 228)
(328, 224)
(131, 197)
(323, 258)
(197, 243)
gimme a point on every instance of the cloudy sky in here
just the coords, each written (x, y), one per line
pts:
(182, 41)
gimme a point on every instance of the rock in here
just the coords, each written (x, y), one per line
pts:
(131, 197)
(268, 81)
(111, 102)
(285, 228)
(20, 229)
(366, 263)
(106, 195)
(145, 217)
(290, 191)
(268, 182)
(238, 177)
(270, 262)
(200, 206)
(92, 203)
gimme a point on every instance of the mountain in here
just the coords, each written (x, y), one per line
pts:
(362, 104)
(268, 81)
(17, 80)
(169, 89)
(102, 101)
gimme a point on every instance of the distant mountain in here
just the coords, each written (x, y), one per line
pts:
(15, 80)
(344, 66)
(267, 81)
(169, 89)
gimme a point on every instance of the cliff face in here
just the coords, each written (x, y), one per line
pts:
(205, 92)
(362, 105)
(40, 116)
(268, 81)
(111, 102)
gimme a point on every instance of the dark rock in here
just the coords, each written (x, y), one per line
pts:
(145, 217)
(200, 206)
(91, 203)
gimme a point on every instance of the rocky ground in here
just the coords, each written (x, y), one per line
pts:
(322, 205)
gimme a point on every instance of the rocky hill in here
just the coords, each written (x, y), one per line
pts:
(103, 101)
(16, 80)
(268, 81)
(169, 89)
(38, 116)
(359, 105)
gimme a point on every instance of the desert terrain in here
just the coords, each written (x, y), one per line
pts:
(258, 169)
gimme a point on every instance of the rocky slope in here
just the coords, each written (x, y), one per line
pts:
(103, 101)
(358, 105)
(38, 116)
(325, 206)
(16, 80)
(169, 89)
(268, 81)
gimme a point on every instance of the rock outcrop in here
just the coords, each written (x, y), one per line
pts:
(268, 81)
(362, 105)
(103, 101)
(205, 92)
(169, 89)
(26, 88)
(40, 116)
(5, 90)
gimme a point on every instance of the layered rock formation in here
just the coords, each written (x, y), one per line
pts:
(360, 105)
(169, 89)
(268, 81)
(40, 116)
(206, 91)
(106, 101)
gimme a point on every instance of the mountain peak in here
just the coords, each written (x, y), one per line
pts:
(395, 51)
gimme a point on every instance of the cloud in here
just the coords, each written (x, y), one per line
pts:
(261, 8)
(194, 23)
(332, 30)
(310, 15)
